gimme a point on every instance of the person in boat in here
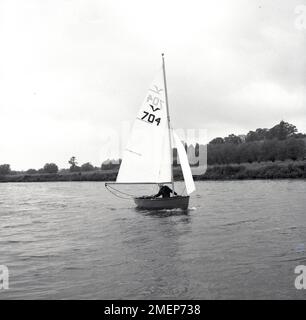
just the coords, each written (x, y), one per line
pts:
(164, 191)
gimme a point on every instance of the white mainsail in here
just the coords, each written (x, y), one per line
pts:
(147, 157)
(190, 187)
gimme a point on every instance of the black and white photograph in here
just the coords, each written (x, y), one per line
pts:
(152, 151)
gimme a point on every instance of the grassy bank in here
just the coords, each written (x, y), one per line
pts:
(266, 170)
(105, 175)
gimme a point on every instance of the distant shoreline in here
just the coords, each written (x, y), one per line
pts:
(245, 171)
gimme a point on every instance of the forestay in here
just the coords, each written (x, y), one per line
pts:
(147, 157)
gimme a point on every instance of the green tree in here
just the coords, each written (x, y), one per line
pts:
(87, 167)
(31, 171)
(5, 169)
(257, 135)
(218, 140)
(73, 164)
(295, 149)
(299, 135)
(232, 139)
(50, 168)
(282, 131)
(73, 161)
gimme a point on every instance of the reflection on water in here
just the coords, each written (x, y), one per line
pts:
(75, 240)
(165, 212)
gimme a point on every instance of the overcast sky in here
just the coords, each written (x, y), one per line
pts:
(72, 71)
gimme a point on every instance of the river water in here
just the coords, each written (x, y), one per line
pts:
(72, 240)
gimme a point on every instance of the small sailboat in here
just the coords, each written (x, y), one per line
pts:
(148, 157)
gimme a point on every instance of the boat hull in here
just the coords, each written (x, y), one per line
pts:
(179, 202)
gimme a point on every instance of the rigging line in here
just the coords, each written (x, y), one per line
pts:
(116, 195)
(109, 188)
(130, 196)
(127, 194)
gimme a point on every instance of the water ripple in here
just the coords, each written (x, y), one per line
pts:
(239, 239)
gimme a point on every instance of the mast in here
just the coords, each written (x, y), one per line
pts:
(169, 126)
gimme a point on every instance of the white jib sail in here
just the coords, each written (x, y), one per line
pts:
(190, 187)
(147, 157)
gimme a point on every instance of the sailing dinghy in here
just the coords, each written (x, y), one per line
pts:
(148, 157)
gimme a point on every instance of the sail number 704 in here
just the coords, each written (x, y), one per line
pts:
(149, 117)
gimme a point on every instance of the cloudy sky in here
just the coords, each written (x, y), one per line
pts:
(72, 71)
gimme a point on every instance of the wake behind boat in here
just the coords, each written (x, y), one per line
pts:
(148, 157)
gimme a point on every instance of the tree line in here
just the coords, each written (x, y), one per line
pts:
(281, 131)
(5, 169)
(281, 142)
(50, 168)
(258, 151)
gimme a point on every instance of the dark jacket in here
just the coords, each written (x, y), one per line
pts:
(165, 191)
